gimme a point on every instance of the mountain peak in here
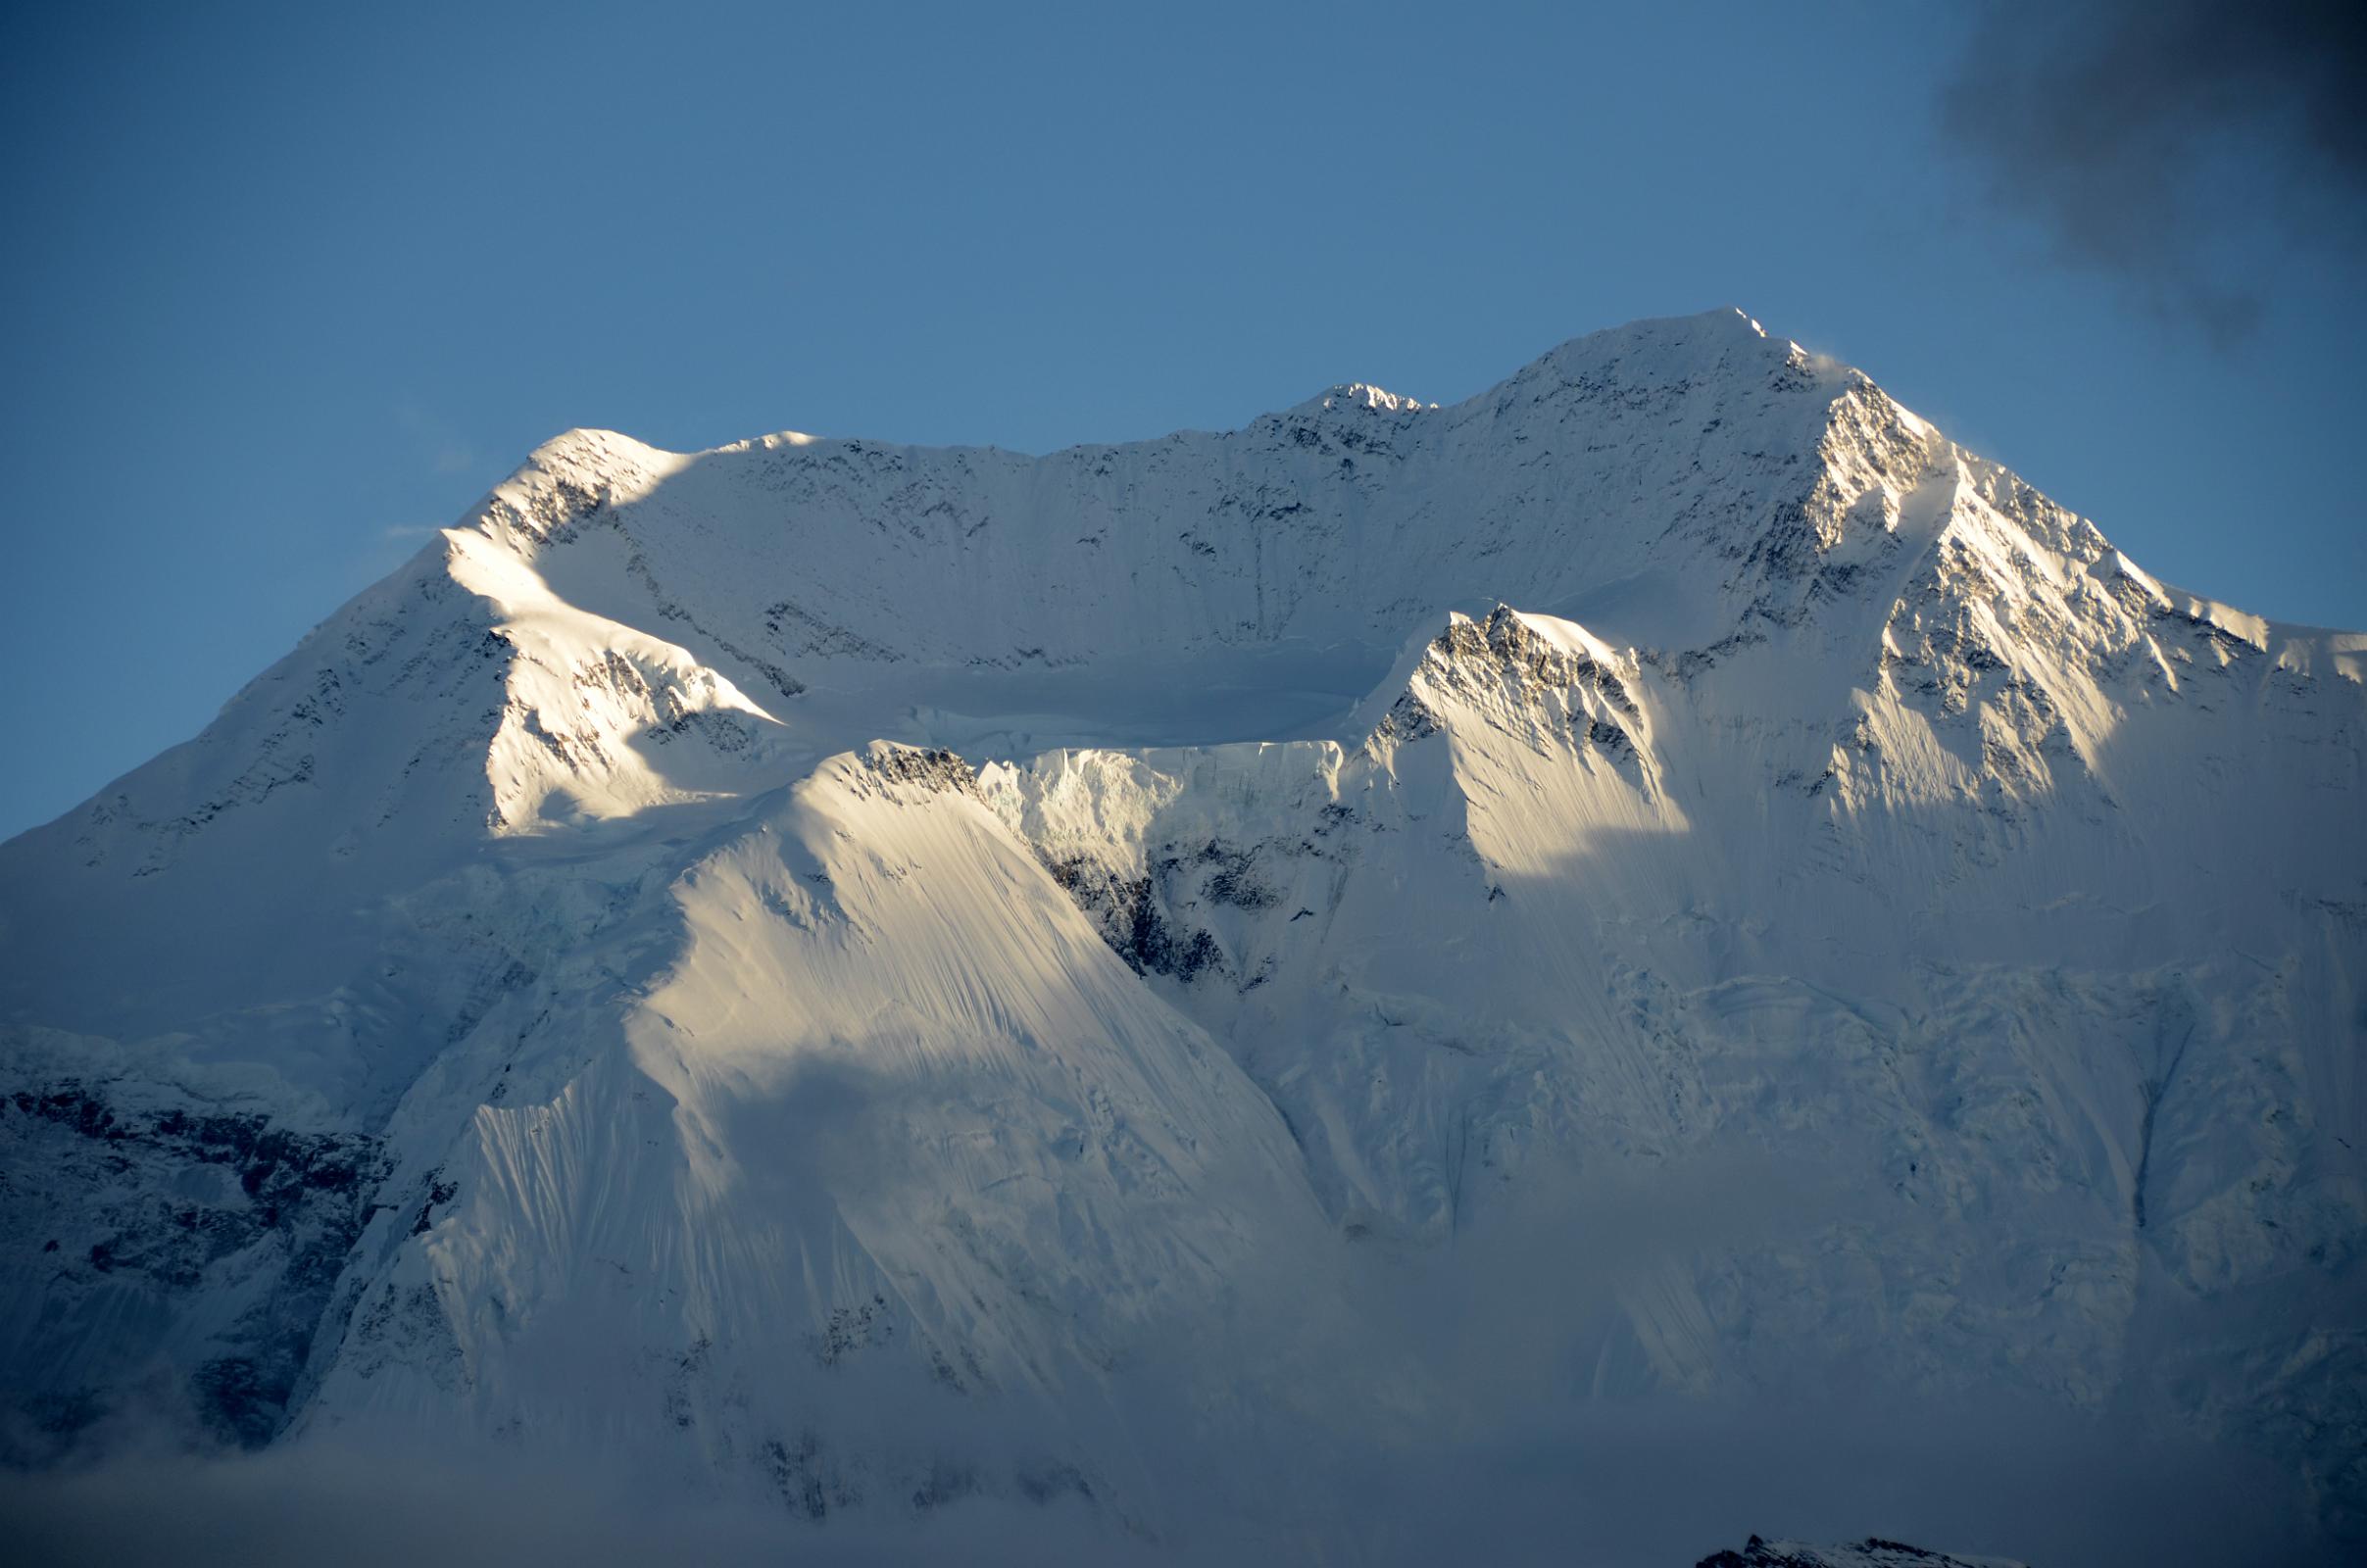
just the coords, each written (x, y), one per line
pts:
(1359, 397)
(1685, 344)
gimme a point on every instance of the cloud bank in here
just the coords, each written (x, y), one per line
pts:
(2187, 148)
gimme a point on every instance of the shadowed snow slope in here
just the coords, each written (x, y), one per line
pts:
(1157, 978)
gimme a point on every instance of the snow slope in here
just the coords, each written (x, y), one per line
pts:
(871, 976)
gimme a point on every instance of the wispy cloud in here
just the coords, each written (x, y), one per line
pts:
(2182, 147)
(444, 449)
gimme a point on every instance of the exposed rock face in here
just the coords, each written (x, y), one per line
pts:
(235, 1227)
(1871, 1552)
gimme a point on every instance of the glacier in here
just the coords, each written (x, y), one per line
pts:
(1173, 986)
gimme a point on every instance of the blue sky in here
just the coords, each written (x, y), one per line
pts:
(287, 288)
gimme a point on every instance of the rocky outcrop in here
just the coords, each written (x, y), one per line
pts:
(1871, 1552)
(216, 1217)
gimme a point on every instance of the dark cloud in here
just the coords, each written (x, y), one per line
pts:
(2186, 147)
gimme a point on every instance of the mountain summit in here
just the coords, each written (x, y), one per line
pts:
(1131, 982)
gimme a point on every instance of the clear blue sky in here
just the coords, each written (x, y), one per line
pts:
(284, 288)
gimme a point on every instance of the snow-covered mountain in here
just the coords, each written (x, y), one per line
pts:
(871, 976)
